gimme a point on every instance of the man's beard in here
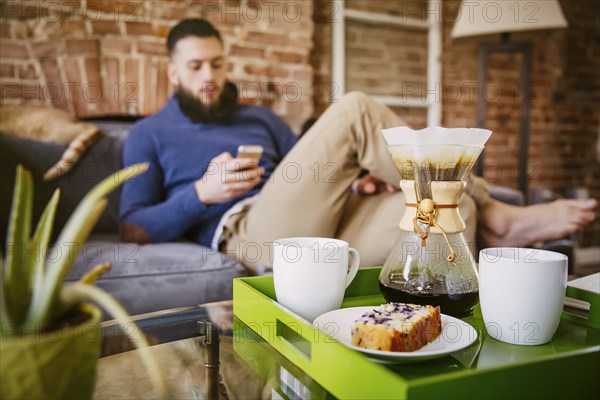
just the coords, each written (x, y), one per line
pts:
(220, 112)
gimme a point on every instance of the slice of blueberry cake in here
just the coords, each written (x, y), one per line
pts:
(397, 327)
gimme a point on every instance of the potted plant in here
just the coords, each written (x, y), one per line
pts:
(50, 336)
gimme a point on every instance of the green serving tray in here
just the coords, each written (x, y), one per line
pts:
(273, 368)
(567, 367)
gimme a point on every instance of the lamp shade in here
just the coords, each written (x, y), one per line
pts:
(484, 17)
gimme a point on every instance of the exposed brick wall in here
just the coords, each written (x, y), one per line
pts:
(104, 57)
(411, 8)
(576, 100)
(565, 103)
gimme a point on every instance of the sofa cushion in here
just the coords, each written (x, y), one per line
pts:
(152, 277)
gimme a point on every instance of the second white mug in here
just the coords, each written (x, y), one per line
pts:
(521, 293)
(311, 274)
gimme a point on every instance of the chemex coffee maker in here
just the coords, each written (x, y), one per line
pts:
(431, 262)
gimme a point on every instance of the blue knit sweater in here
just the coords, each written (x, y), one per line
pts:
(163, 200)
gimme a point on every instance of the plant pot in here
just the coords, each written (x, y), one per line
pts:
(59, 364)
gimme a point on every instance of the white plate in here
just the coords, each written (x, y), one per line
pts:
(456, 335)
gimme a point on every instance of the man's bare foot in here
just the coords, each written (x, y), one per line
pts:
(507, 225)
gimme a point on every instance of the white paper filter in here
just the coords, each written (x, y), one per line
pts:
(436, 144)
(436, 135)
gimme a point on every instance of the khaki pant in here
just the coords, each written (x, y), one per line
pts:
(308, 193)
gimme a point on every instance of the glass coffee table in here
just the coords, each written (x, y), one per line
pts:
(204, 352)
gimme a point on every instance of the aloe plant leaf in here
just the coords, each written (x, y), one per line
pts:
(4, 318)
(78, 292)
(17, 277)
(38, 245)
(43, 303)
(93, 274)
(89, 278)
(72, 237)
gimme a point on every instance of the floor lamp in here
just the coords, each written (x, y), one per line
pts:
(486, 17)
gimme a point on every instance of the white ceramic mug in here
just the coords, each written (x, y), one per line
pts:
(311, 274)
(521, 293)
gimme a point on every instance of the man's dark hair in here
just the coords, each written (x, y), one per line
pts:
(191, 27)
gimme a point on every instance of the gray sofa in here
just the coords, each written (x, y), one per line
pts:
(143, 278)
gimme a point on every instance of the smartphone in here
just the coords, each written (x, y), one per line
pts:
(253, 151)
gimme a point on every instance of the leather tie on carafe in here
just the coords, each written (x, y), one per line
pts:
(425, 215)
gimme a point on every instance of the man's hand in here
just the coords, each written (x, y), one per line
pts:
(369, 185)
(227, 178)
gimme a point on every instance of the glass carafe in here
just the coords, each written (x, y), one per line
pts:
(431, 262)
